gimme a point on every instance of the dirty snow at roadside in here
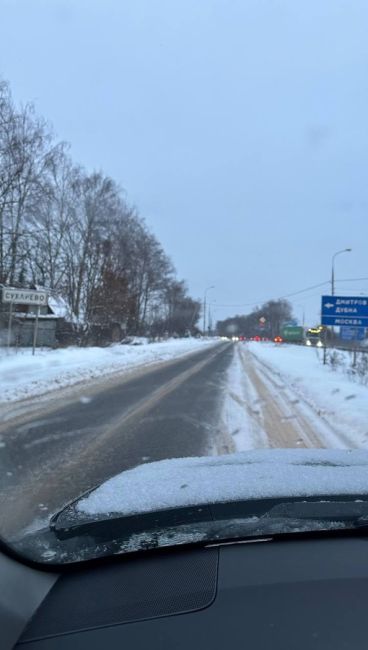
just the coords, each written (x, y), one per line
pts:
(332, 396)
(23, 375)
(266, 473)
(237, 414)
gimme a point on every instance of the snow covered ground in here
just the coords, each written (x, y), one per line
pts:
(331, 395)
(240, 406)
(23, 375)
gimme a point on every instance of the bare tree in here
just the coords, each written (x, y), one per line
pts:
(27, 151)
(73, 232)
(274, 313)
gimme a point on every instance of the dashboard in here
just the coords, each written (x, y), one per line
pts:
(294, 593)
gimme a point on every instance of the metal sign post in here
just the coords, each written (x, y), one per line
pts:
(24, 297)
(354, 357)
(325, 347)
(35, 330)
(10, 323)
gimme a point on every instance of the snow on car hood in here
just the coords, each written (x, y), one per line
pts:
(247, 475)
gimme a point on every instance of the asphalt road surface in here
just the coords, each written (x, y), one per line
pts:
(57, 449)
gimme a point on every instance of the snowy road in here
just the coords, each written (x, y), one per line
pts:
(262, 409)
(64, 447)
(222, 399)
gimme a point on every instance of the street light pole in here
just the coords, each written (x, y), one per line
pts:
(210, 316)
(344, 250)
(302, 307)
(204, 308)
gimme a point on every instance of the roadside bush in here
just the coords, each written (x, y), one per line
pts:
(335, 359)
(361, 369)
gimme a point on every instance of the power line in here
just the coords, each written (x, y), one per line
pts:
(296, 293)
(290, 295)
(352, 280)
(251, 304)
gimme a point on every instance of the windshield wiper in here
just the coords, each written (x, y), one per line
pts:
(70, 523)
(298, 517)
(249, 517)
(331, 510)
(74, 536)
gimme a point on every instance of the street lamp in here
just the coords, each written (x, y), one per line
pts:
(210, 316)
(204, 308)
(344, 250)
(302, 307)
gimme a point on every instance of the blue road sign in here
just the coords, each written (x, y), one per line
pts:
(352, 333)
(345, 310)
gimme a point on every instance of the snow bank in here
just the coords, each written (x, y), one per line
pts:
(267, 473)
(22, 375)
(342, 403)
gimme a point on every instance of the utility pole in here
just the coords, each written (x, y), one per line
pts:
(209, 320)
(205, 307)
(344, 250)
(302, 307)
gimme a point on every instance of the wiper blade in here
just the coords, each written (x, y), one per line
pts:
(70, 523)
(74, 536)
(320, 510)
(250, 517)
(290, 517)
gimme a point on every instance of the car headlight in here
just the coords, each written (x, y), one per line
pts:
(308, 343)
(319, 344)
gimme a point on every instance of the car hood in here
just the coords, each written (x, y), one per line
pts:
(200, 500)
(260, 474)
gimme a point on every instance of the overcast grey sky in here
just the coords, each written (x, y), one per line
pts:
(238, 128)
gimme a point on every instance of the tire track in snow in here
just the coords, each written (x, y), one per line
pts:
(314, 429)
(281, 420)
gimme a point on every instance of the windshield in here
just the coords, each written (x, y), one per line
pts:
(183, 284)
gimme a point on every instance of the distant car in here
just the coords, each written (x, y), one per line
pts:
(315, 336)
(127, 340)
(134, 340)
(278, 339)
(314, 341)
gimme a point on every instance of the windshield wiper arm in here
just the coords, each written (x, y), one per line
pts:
(70, 523)
(320, 510)
(268, 516)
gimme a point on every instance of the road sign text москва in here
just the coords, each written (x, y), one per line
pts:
(345, 310)
(25, 296)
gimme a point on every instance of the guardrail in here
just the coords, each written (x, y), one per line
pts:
(353, 350)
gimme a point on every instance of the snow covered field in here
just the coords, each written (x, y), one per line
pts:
(329, 393)
(23, 376)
